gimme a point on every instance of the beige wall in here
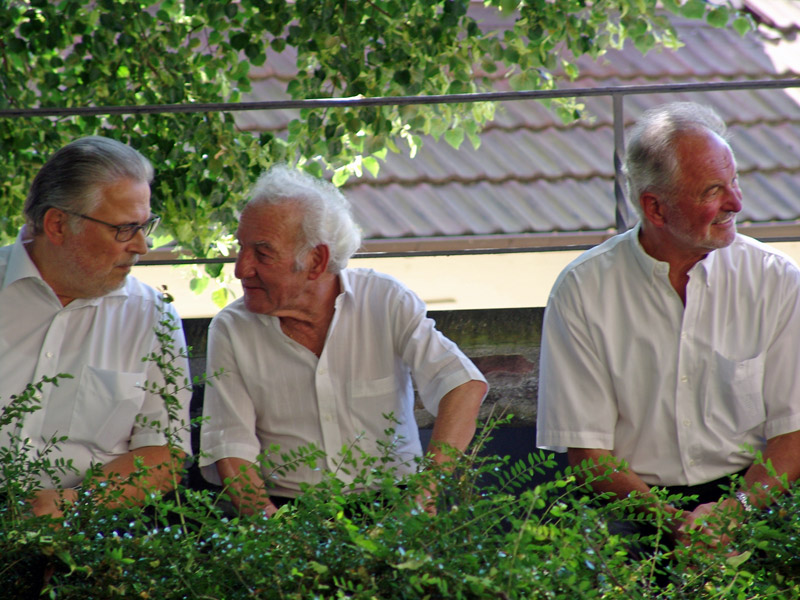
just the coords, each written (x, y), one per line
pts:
(511, 280)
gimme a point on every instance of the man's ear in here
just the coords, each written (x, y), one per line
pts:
(652, 208)
(319, 258)
(55, 225)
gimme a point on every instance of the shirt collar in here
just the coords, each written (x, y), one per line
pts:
(649, 265)
(652, 266)
(21, 266)
(347, 287)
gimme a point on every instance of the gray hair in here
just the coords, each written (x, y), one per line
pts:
(327, 216)
(73, 178)
(651, 161)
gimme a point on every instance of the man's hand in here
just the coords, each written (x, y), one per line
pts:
(50, 502)
(716, 520)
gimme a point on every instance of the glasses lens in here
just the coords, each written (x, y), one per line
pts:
(125, 233)
(151, 225)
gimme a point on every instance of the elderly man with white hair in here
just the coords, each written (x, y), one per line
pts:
(316, 353)
(673, 347)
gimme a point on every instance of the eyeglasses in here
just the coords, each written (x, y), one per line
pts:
(125, 232)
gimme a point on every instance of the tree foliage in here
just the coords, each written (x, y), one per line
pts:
(76, 53)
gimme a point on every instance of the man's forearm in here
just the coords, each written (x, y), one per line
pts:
(161, 471)
(456, 418)
(606, 467)
(244, 486)
(783, 452)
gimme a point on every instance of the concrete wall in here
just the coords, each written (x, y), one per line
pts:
(503, 343)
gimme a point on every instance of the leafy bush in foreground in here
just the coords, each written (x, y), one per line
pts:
(497, 534)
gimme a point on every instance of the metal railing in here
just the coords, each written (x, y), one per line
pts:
(623, 213)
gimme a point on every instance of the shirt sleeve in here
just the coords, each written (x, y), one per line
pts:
(781, 365)
(229, 415)
(576, 403)
(155, 417)
(437, 364)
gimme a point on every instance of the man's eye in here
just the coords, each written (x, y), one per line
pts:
(123, 229)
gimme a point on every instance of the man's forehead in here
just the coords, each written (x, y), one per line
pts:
(124, 196)
(270, 220)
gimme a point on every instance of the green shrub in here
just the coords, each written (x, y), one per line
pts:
(502, 530)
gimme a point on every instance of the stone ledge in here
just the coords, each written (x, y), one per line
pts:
(503, 343)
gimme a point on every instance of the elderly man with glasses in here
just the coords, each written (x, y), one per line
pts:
(68, 306)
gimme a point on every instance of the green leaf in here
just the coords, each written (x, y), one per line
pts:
(340, 177)
(454, 137)
(371, 164)
(671, 5)
(214, 269)
(718, 17)
(693, 9)
(738, 560)
(198, 284)
(220, 297)
(742, 25)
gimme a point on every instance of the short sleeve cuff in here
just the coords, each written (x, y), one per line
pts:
(449, 383)
(559, 441)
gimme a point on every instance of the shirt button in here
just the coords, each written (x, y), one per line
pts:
(691, 463)
(684, 378)
(48, 354)
(687, 422)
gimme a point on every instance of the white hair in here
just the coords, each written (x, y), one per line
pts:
(327, 216)
(651, 161)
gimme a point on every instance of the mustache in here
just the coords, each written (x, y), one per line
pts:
(724, 217)
(130, 262)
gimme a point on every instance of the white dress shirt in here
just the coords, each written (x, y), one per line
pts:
(100, 342)
(276, 391)
(678, 393)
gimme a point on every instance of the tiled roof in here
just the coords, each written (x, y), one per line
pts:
(534, 176)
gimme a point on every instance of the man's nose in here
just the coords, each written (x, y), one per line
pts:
(244, 265)
(140, 243)
(734, 200)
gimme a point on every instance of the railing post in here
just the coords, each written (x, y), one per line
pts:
(624, 217)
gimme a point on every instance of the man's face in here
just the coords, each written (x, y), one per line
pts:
(268, 238)
(98, 261)
(702, 213)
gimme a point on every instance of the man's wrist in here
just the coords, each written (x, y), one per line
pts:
(269, 510)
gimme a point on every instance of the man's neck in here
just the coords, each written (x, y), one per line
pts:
(36, 248)
(680, 262)
(309, 326)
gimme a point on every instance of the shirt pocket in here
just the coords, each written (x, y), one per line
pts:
(106, 406)
(370, 399)
(737, 403)
(373, 388)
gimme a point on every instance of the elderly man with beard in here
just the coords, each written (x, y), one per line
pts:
(673, 347)
(69, 306)
(318, 354)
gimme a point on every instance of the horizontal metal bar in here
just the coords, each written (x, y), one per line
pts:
(398, 100)
(430, 253)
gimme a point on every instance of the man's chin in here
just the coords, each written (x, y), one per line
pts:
(253, 304)
(721, 236)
